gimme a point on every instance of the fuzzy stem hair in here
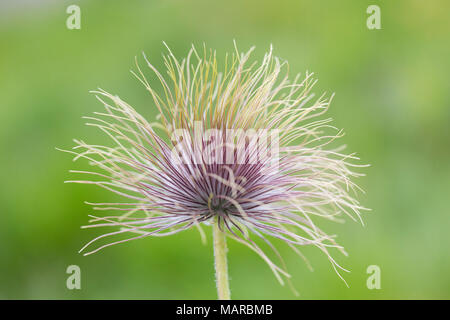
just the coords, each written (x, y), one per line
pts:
(220, 261)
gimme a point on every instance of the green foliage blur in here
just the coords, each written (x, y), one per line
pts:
(392, 99)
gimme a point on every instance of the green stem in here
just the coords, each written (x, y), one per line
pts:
(220, 262)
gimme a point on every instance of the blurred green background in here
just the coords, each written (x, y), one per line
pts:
(392, 99)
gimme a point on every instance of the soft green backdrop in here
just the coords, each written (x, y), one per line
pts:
(392, 98)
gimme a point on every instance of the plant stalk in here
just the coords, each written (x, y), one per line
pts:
(220, 261)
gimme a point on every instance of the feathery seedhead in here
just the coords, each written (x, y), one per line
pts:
(237, 144)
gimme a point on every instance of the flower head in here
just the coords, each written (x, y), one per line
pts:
(245, 146)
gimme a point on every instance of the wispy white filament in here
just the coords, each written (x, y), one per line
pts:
(251, 202)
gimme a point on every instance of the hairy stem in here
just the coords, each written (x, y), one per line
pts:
(220, 262)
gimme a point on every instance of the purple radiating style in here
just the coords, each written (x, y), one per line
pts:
(165, 171)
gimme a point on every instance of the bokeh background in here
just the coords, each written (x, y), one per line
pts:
(392, 99)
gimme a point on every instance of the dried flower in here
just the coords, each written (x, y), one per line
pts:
(236, 149)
